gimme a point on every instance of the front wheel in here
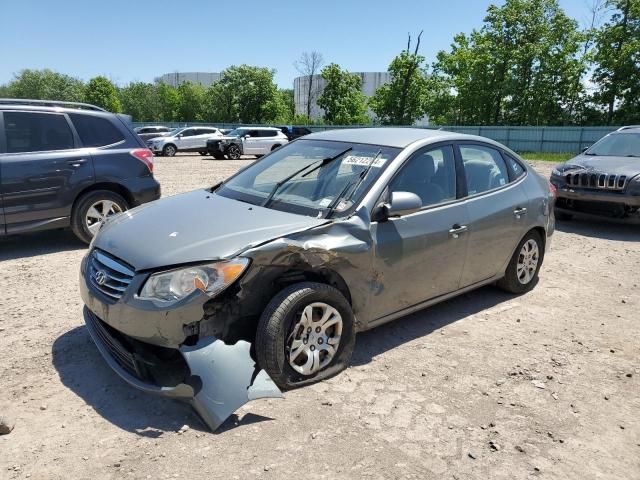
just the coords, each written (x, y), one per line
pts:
(522, 273)
(92, 209)
(233, 152)
(169, 150)
(305, 335)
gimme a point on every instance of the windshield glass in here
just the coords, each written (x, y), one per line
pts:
(175, 131)
(617, 145)
(238, 132)
(324, 175)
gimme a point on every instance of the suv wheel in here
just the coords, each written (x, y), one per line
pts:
(522, 272)
(169, 150)
(92, 209)
(203, 153)
(274, 147)
(305, 335)
(233, 152)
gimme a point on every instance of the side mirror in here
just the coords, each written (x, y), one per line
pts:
(401, 203)
(247, 136)
(179, 135)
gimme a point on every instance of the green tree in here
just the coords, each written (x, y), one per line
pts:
(617, 63)
(140, 100)
(342, 99)
(168, 102)
(45, 85)
(522, 67)
(100, 91)
(192, 102)
(403, 100)
(288, 105)
(244, 94)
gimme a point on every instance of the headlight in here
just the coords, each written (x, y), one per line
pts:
(177, 284)
(556, 172)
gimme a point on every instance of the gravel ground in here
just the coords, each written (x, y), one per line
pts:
(484, 386)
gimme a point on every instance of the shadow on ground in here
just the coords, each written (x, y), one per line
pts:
(374, 342)
(605, 228)
(39, 243)
(82, 369)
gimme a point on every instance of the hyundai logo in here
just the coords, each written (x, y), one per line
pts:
(101, 277)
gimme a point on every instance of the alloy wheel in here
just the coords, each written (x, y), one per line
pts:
(528, 261)
(314, 339)
(98, 212)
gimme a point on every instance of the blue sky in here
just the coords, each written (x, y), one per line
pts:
(128, 40)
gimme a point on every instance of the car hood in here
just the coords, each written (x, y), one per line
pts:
(193, 227)
(629, 166)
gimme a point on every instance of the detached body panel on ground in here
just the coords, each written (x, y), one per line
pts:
(376, 223)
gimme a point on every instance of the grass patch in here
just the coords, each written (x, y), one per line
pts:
(547, 157)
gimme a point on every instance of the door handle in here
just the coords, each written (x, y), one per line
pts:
(518, 212)
(456, 230)
(77, 163)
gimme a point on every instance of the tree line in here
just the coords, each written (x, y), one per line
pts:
(527, 64)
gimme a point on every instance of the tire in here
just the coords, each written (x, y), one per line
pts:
(202, 153)
(218, 156)
(563, 217)
(275, 332)
(169, 150)
(523, 281)
(233, 152)
(274, 147)
(81, 216)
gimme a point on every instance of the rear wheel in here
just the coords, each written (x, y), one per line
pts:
(203, 153)
(305, 335)
(169, 150)
(233, 152)
(522, 273)
(92, 209)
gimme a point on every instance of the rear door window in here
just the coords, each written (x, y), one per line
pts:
(95, 131)
(484, 167)
(37, 132)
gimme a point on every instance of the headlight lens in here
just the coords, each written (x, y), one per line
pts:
(556, 172)
(210, 279)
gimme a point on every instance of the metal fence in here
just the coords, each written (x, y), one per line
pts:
(520, 139)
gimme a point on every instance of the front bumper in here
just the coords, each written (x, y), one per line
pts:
(597, 202)
(215, 378)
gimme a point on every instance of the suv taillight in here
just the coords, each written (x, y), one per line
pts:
(554, 190)
(145, 156)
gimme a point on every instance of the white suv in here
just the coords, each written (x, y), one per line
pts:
(185, 139)
(256, 141)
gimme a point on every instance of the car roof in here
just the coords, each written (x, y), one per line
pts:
(53, 109)
(390, 136)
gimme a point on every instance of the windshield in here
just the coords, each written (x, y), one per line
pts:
(238, 132)
(617, 145)
(175, 132)
(324, 176)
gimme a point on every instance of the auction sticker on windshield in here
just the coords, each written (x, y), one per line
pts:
(363, 161)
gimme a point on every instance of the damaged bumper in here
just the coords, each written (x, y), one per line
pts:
(218, 378)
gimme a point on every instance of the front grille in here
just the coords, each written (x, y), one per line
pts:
(601, 181)
(108, 276)
(117, 350)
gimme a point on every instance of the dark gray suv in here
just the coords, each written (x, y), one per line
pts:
(68, 165)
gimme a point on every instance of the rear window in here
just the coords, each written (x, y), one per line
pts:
(37, 132)
(95, 131)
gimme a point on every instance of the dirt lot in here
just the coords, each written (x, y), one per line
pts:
(485, 386)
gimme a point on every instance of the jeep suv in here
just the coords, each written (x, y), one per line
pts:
(256, 141)
(66, 164)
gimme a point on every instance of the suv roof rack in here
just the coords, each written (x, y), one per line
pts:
(627, 127)
(50, 103)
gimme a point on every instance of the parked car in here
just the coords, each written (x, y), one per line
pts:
(603, 180)
(185, 139)
(256, 141)
(152, 131)
(330, 235)
(293, 132)
(66, 164)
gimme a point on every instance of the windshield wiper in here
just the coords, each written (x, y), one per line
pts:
(318, 164)
(355, 185)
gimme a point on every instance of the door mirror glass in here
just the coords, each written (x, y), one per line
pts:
(402, 203)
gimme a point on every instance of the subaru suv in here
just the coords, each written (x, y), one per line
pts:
(65, 164)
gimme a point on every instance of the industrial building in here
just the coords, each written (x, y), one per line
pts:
(176, 78)
(370, 83)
